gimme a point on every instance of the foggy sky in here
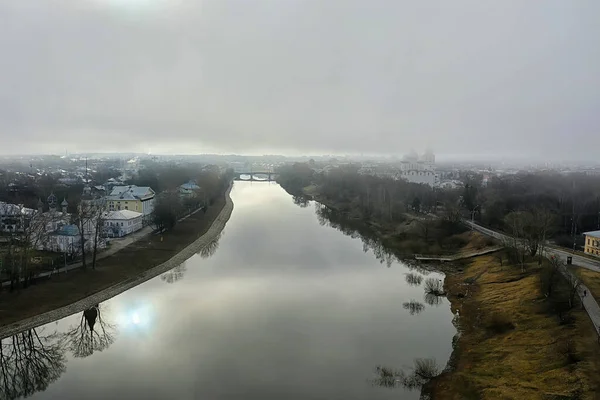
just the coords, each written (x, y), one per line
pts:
(300, 76)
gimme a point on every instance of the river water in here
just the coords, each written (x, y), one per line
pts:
(283, 306)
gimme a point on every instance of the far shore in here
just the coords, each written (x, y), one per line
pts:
(79, 290)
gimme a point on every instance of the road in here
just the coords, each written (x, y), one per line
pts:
(589, 302)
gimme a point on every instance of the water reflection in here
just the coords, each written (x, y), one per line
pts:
(92, 333)
(423, 371)
(29, 362)
(433, 300)
(413, 279)
(174, 274)
(413, 307)
(307, 309)
(301, 201)
(211, 248)
(334, 219)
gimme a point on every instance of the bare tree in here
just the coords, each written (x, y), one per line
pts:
(91, 334)
(514, 243)
(434, 286)
(83, 220)
(31, 235)
(425, 225)
(97, 222)
(29, 362)
(574, 285)
(550, 275)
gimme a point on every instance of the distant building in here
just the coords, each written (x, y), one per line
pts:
(133, 198)
(14, 218)
(121, 223)
(417, 169)
(189, 189)
(592, 243)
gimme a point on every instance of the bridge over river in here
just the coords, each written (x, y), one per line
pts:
(259, 176)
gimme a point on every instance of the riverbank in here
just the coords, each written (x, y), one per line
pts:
(411, 234)
(511, 344)
(75, 291)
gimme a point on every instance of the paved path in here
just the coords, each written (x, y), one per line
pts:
(458, 256)
(589, 302)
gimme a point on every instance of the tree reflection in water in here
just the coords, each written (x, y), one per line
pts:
(174, 274)
(334, 219)
(423, 371)
(92, 333)
(413, 307)
(211, 248)
(413, 279)
(29, 362)
(301, 201)
(432, 299)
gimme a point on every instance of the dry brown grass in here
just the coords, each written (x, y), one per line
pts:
(529, 361)
(140, 256)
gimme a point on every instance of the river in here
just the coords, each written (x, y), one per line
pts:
(283, 306)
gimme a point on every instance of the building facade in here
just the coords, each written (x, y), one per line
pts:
(121, 223)
(133, 198)
(592, 243)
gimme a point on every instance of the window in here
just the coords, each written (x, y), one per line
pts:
(121, 224)
(127, 208)
(588, 241)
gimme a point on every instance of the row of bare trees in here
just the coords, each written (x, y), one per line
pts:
(35, 233)
(33, 359)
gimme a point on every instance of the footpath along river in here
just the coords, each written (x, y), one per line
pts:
(282, 306)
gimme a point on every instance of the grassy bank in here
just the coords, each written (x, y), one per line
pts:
(128, 263)
(512, 343)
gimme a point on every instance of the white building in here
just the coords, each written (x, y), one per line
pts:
(121, 223)
(14, 218)
(417, 169)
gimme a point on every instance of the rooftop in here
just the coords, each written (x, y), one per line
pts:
(595, 234)
(121, 214)
(131, 192)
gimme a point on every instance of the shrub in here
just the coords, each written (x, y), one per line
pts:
(434, 286)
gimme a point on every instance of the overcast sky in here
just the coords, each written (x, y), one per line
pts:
(301, 76)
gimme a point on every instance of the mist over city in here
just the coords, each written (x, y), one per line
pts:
(300, 77)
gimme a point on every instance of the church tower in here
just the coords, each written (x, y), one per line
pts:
(64, 206)
(52, 202)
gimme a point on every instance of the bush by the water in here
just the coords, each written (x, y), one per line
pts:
(434, 286)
